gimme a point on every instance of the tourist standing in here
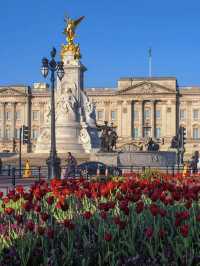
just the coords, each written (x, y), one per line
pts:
(71, 166)
(198, 165)
(193, 165)
(1, 165)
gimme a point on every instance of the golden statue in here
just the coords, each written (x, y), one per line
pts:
(69, 32)
(27, 171)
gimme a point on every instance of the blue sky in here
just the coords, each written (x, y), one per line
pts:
(114, 38)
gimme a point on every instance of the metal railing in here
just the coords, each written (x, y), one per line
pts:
(10, 176)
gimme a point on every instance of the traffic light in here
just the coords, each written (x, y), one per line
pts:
(25, 135)
(182, 137)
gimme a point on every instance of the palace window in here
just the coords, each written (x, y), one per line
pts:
(196, 132)
(182, 114)
(136, 115)
(100, 115)
(18, 115)
(35, 115)
(158, 114)
(113, 115)
(195, 114)
(8, 115)
(147, 132)
(147, 114)
(158, 132)
(7, 133)
(135, 132)
(34, 134)
(17, 133)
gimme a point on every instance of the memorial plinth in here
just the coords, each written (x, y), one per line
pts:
(75, 118)
(138, 158)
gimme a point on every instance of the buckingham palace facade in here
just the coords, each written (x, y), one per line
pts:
(139, 108)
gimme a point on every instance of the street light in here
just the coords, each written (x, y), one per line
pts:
(53, 161)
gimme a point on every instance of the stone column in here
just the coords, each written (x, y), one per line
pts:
(107, 111)
(188, 119)
(13, 118)
(129, 119)
(141, 118)
(41, 114)
(3, 119)
(153, 118)
(119, 118)
(132, 118)
(173, 118)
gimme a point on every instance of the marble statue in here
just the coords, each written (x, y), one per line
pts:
(88, 110)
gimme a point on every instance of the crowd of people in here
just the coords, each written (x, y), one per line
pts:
(192, 166)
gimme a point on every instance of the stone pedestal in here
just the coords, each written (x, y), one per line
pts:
(74, 114)
(137, 159)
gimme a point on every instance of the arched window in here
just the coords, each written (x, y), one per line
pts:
(196, 132)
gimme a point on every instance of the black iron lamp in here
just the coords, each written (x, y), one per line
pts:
(53, 161)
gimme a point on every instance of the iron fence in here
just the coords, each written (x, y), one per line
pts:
(10, 176)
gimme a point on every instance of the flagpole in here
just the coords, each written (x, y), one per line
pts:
(150, 62)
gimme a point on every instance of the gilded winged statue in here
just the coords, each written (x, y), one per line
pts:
(69, 31)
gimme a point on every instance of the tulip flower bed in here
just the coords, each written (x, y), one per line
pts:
(129, 221)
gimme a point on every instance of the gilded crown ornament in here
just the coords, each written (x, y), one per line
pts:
(69, 32)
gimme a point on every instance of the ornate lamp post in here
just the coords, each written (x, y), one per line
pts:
(53, 161)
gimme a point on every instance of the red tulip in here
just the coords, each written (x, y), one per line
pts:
(117, 220)
(41, 230)
(198, 218)
(162, 233)
(69, 224)
(107, 236)
(50, 233)
(27, 206)
(184, 230)
(139, 206)
(162, 212)
(87, 215)
(20, 189)
(30, 225)
(9, 211)
(37, 208)
(154, 209)
(122, 225)
(103, 215)
(126, 210)
(6, 200)
(149, 232)
(19, 218)
(44, 216)
(50, 200)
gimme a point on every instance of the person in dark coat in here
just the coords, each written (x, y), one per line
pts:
(71, 166)
(1, 165)
(193, 165)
